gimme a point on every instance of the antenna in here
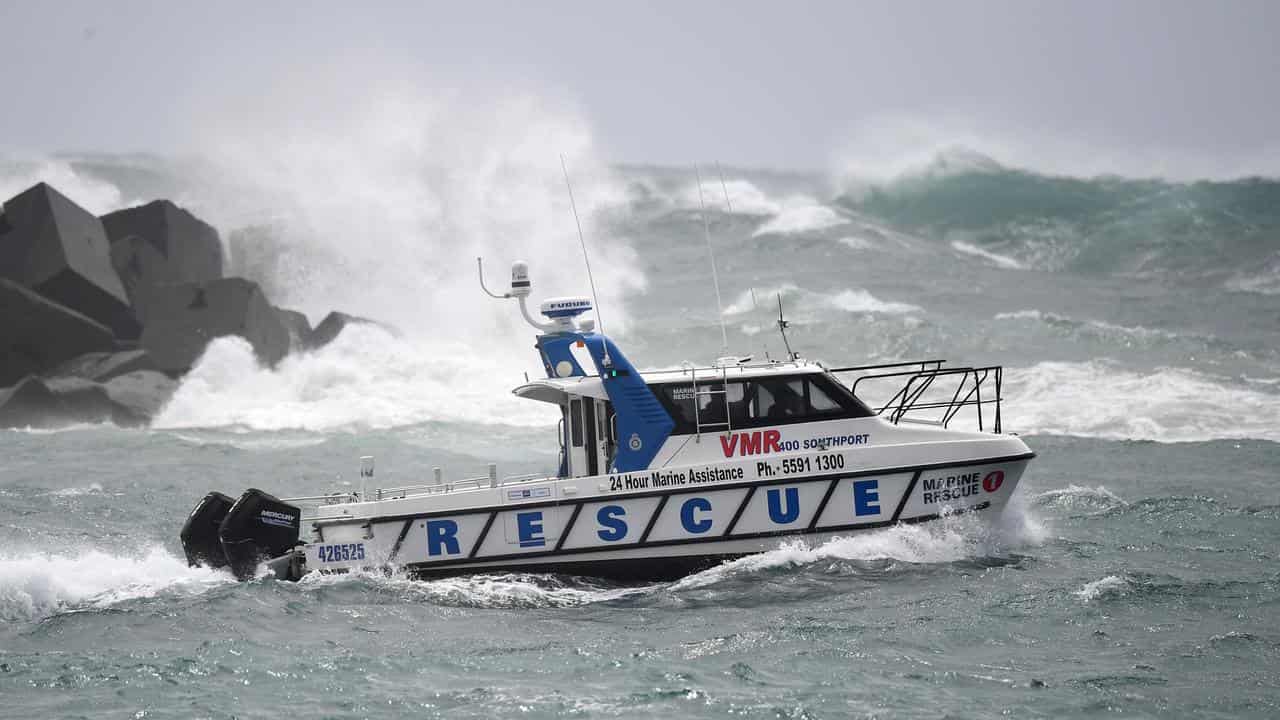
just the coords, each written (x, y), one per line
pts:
(587, 260)
(724, 187)
(782, 328)
(756, 306)
(729, 206)
(490, 293)
(715, 278)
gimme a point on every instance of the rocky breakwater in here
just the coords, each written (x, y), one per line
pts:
(101, 317)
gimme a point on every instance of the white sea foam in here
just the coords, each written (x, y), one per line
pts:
(857, 243)
(1099, 399)
(1000, 261)
(1266, 283)
(366, 378)
(745, 197)
(1020, 315)
(863, 301)
(38, 584)
(509, 590)
(800, 215)
(1109, 586)
(806, 301)
(786, 215)
(90, 489)
(1074, 493)
(1098, 328)
(950, 539)
(74, 427)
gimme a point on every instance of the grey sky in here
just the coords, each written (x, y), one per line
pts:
(766, 84)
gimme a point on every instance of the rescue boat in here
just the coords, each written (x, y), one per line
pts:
(661, 473)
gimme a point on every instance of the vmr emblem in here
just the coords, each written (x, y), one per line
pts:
(752, 443)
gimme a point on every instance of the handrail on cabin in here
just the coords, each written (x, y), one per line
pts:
(909, 397)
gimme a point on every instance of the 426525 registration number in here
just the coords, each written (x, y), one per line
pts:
(344, 552)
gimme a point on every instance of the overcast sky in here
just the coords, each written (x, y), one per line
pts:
(780, 84)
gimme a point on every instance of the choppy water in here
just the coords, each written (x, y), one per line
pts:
(1135, 574)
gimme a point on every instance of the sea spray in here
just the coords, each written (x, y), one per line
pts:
(36, 584)
(366, 379)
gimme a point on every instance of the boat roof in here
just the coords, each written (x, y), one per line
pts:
(556, 390)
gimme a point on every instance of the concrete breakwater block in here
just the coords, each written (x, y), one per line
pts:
(141, 394)
(161, 243)
(48, 404)
(182, 319)
(129, 400)
(57, 248)
(299, 328)
(102, 366)
(37, 334)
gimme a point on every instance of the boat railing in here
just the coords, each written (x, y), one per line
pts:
(932, 393)
(440, 487)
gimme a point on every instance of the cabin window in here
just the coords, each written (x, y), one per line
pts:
(820, 401)
(575, 422)
(757, 402)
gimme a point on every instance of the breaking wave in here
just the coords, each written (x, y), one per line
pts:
(38, 584)
(1099, 399)
(803, 217)
(852, 300)
(1108, 587)
(996, 259)
(1100, 330)
(1020, 219)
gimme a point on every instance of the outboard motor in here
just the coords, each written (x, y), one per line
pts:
(258, 527)
(200, 538)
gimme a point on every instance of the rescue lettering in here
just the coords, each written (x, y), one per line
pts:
(779, 514)
(529, 529)
(613, 527)
(442, 537)
(866, 497)
(691, 522)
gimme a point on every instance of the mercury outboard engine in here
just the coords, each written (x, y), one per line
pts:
(258, 527)
(200, 538)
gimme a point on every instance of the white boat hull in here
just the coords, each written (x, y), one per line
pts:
(655, 526)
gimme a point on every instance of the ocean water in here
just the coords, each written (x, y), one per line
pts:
(1136, 573)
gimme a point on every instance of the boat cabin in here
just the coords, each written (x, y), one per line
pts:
(702, 400)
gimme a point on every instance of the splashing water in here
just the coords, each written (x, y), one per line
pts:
(38, 584)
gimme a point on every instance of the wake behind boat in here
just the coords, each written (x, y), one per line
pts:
(661, 473)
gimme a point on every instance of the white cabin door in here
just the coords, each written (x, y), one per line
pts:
(578, 455)
(604, 437)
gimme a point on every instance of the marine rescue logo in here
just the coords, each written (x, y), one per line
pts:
(993, 481)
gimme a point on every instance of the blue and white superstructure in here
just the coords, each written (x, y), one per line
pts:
(661, 472)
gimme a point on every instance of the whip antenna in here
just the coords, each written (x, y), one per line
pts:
(756, 306)
(586, 259)
(715, 278)
(725, 188)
